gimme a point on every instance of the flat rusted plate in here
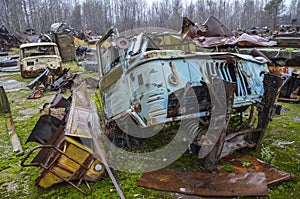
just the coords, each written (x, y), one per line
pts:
(44, 129)
(206, 184)
(273, 175)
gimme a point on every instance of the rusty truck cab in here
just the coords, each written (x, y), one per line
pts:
(35, 58)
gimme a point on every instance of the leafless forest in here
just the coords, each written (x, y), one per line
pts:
(99, 15)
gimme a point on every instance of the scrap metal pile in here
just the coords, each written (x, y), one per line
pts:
(62, 35)
(49, 81)
(7, 40)
(66, 153)
(161, 85)
(213, 35)
(148, 78)
(14, 40)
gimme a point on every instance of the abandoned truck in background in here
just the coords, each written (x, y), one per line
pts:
(35, 58)
(150, 78)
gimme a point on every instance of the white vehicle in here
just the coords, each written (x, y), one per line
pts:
(35, 58)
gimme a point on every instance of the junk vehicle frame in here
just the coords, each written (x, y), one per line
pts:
(35, 58)
(149, 79)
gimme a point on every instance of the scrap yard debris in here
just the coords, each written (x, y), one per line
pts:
(66, 153)
(47, 81)
(7, 40)
(213, 35)
(245, 181)
(207, 78)
(5, 110)
(246, 83)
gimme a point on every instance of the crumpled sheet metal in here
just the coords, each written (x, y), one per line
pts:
(24, 38)
(215, 33)
(216, 28)
(206, 184)
(212, 27)
(206, 42)
(253, 40)
(66, 154)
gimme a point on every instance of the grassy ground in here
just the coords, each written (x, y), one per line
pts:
(281, 148)
(282, 142)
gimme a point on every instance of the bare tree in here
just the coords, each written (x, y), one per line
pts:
(76, 17)
(273, 8)
(99, 15)
(177, 11)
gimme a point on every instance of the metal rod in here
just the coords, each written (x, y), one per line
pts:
(5, 109)
(120, 192)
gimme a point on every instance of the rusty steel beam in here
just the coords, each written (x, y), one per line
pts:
(5, 110)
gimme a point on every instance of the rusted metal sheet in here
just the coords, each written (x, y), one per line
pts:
(210, 34)
(273, 175)
(60, 102)
(205, 184)
(44, 128)
(212, 141)
(24, 37)
(250, 180)
(5, 110)
(216, 28)
(66, 46)
(212, 27)
(66, 153)
(257, 53)
(63, 159)
(288, 41)
(82, 111)
(62, 35)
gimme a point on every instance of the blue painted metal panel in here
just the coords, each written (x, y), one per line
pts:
(149, 77)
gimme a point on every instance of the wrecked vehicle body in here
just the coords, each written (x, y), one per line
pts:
(149, 79)
(35, 58)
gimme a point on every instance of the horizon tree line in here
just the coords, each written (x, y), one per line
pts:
(99, 15)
